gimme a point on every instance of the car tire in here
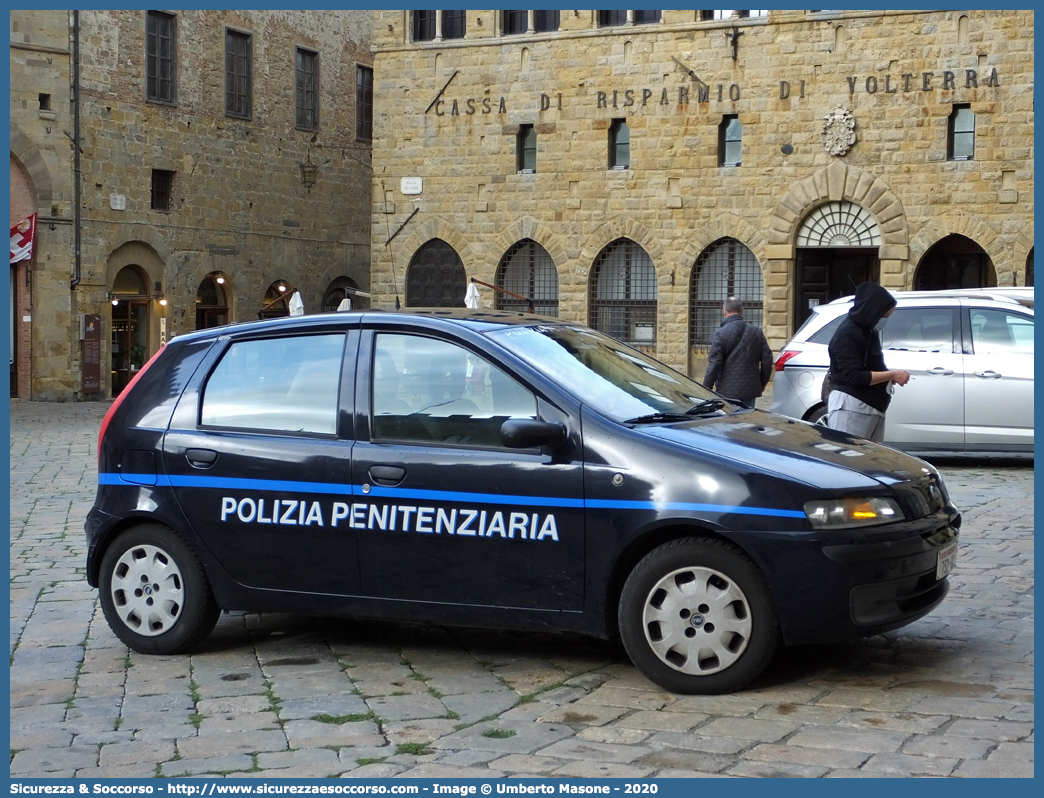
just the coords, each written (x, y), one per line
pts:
(154, 591)
(696, 617)
(818, 415)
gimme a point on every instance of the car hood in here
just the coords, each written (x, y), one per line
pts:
(811, 454)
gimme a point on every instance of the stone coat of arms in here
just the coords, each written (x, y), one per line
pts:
(839, 131)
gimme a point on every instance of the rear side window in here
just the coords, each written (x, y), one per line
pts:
(280, 384)
(826, 333)
(1001, 332)
(919, 330)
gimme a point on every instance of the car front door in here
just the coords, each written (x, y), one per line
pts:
(929, 409)
(998, 381)
(260, 460)
(446, 513)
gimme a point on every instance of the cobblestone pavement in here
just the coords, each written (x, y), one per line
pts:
(279, 695)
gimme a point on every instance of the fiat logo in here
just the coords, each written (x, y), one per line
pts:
(697, 620)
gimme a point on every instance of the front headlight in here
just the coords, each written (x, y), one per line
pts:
(842, 513)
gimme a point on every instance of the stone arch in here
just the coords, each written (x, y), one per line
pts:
(412, 240)
(143, 234)
(526, 227)
(620, 228)
(134, 253)
(719, 227)
(839, 181)
(32, 161)
(1004, 260)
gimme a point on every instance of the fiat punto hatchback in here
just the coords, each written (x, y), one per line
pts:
(498, 470)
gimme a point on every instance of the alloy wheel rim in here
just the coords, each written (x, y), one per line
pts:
(697, 621)
(148, 590)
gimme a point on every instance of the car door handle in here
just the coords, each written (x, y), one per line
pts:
(940, 370)
(201, 458)
(988, 375)
(387, 475)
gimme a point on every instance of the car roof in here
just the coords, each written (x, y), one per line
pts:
(480, 320)
(1010, 294)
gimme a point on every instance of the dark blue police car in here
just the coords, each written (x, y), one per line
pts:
(501, 470)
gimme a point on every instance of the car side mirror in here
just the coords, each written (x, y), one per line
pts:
(525, 433)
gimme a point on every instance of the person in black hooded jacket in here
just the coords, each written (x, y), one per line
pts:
(862, 381)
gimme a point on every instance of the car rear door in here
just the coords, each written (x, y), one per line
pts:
(444, 512)
(929, 410)
(998, 382)
(259, 456)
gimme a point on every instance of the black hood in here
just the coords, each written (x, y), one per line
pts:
(871, 303)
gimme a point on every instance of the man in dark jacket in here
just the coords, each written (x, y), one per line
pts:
(740, 361)
(862, 381)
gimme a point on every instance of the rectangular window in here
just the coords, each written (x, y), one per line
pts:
(162, 189)
(646, 17)
(454, 24)
(608, 19)
(363, 103)
(526, 144)
(515, 22)
(962, 133)
(424, 26)
(619, 145)
(544, 21)
(307, 90)
(237, 74)
(160, 59)
(281, 384)
(730, 141)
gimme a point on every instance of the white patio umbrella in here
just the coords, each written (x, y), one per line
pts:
(346, 304)
(471, 298)
(296, 304)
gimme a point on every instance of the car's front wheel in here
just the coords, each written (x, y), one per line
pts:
(696, 617)
(154, 591)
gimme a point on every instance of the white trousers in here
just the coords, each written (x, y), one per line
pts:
(845, 413)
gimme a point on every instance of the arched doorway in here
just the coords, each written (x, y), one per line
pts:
(212, 305)
(527, 269)
(624, 294)
(955, 262)
(436, 278)
(1029, 269)
(338, 290)
(725, 268)
(277, 301)
(837, 249)
(129, 344)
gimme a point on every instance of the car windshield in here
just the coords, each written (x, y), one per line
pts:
(620, 382)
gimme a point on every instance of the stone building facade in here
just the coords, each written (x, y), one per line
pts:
(629, 169)
(224, 163)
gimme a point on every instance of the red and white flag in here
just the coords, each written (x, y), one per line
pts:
(23, 236)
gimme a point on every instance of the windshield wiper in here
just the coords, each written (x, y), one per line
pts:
(659, 418)
(706, 406)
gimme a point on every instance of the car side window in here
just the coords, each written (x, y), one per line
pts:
(430, 391)
(999, 331)
(824, 335)
(919, 330)
(283, 384)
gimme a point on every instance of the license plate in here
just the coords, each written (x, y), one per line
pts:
(946, 561)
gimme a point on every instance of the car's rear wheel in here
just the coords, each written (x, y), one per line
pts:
(818, 415)
(154, 591)
(696, 617)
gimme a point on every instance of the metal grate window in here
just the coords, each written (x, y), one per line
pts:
(839, 224)
(725, 268)
(527, 269)
(307, 90)
(623, 294)
(160, 57)
(237, 74)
